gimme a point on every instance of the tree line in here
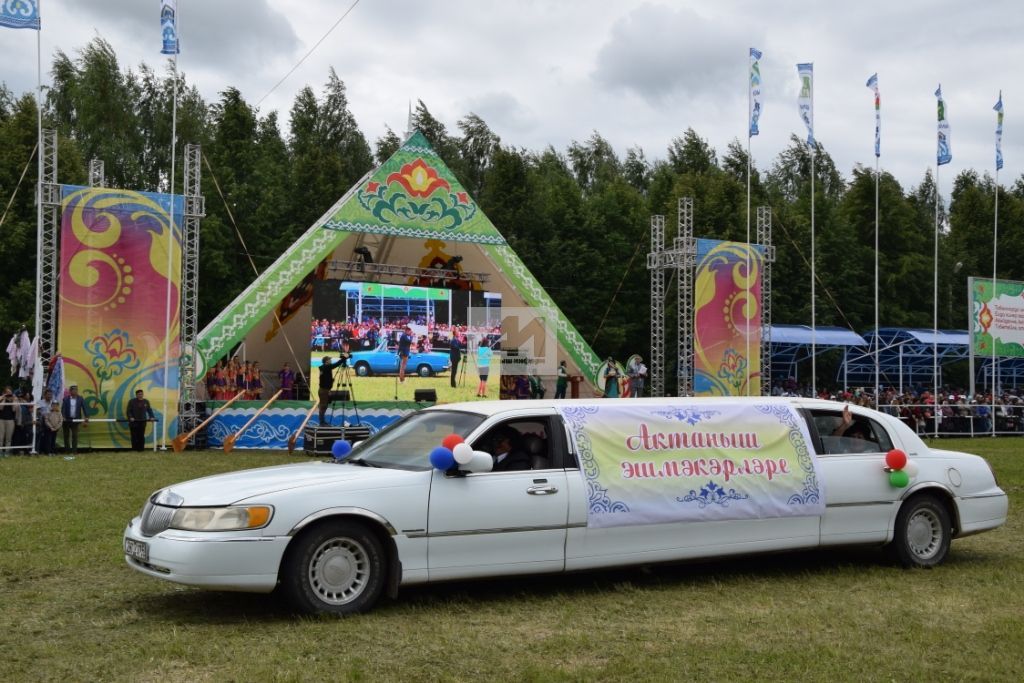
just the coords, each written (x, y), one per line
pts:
(578, 217)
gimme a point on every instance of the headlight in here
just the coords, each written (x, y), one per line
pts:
(222, 519)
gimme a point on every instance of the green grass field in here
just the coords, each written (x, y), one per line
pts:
(73, 611)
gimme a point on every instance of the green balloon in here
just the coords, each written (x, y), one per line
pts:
(899, 479)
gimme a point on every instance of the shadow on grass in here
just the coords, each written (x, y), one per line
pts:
(185, 605)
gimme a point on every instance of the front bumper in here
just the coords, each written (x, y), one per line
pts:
(223, 560)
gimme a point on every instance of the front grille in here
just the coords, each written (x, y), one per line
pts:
(155, 518)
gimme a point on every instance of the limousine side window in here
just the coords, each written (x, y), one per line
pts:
(529, 440)
(864, 435)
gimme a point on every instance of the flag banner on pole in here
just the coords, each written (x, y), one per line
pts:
(944, 155)
(806, 100)
(756, 103)
(873, 84)
(19, 13)
(169, 27)
(999, 131)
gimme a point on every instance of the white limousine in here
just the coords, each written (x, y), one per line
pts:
(519, 487)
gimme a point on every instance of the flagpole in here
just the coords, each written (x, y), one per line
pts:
(39, 182)
(747, 317)
(878, 395)
(170, 242)
(995, 243)
(814, 325)
(935, 310)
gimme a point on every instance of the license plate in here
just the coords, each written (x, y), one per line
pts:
(138, 550)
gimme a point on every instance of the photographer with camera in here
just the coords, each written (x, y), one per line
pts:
(327, 378)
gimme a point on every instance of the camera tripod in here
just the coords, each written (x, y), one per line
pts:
(343, 385)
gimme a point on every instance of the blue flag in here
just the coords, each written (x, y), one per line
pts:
(19, 13)
(999, 131)
(873, 84)
(805, 102)
(944, 155)
(168, 27)
(756, 104)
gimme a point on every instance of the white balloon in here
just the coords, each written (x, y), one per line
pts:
(911, 469)
(463, 453)
(481, 462)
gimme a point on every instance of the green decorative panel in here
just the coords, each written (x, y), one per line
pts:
(413, 194)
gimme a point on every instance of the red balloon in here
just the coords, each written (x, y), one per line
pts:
(896, 459)
(451, 441)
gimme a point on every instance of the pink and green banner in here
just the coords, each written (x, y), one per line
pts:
(114, 281)
(694, 462)
(727, 319)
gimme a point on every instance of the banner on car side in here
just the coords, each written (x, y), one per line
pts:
(684, 462)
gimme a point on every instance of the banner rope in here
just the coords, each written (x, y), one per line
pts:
(245, 250)
(643, 240)
(16, 187)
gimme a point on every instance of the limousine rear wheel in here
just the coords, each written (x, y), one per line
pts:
(923, 532)
(424, 370)
(363, 369)
(336, 567)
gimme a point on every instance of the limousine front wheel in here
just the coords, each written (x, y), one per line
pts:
(922, 532)
(336, 567)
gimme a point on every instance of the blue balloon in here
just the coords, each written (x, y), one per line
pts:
(442, 458)
(341, 449)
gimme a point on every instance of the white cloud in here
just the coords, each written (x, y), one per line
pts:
(639, 72)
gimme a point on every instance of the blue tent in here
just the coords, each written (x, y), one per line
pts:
(792, 344)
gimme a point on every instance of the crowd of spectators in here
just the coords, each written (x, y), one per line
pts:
(951, 410)
(328, 335)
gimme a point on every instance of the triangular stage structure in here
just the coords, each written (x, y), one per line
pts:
(411, 214)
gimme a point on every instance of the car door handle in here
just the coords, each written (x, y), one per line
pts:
(542, 490)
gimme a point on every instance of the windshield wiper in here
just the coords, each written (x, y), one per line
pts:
(364, 463)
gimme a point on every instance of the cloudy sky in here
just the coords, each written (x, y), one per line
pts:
(639, 72)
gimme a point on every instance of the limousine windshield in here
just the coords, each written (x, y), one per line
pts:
(407, 443)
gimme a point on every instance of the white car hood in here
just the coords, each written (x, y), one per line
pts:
(232, 487)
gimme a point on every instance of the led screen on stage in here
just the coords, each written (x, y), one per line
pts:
(368, 320)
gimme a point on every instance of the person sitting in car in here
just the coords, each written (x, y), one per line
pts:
(508, 454)
(856, 434)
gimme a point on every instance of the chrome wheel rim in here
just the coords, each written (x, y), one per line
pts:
(924, 534)
(339, 571)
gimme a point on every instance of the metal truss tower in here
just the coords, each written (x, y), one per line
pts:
(686, 249)
(48, 264)
(764, 238)
(195, 210)
(97, 177)
(654, 264)
(679, 260)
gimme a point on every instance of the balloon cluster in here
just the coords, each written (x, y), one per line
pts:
(455, 451)
(900, 469)
(341, 449)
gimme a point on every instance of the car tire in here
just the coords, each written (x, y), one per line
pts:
(336, 567)
(362, 369)
(923, 532)
(424, 370)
